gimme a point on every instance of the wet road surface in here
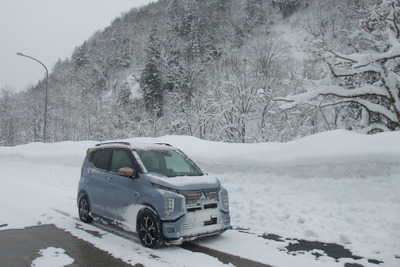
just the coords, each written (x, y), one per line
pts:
(20, 247)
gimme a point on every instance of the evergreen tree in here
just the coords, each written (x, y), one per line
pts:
(80, 56)
(255, 14)
(175, 11)
(288, 7)
(151, 76)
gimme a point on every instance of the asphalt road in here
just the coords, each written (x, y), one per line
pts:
(20, 247)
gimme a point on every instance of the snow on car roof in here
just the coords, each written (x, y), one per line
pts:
(134, 146)
(150, 146)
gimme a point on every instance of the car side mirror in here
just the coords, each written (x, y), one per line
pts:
(127, 172)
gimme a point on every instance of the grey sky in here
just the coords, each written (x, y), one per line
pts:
(48, 30)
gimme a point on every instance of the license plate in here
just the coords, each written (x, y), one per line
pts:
(202, 216)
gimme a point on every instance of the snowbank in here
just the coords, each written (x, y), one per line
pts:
(331, 154)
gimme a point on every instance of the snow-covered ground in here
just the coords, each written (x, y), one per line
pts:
(335, 187)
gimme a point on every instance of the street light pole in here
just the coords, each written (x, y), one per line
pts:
(45, 99)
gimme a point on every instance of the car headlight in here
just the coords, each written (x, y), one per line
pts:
(169, 206)
(224, 200)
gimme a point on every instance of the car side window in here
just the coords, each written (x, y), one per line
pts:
(100, 159)
(120, 159)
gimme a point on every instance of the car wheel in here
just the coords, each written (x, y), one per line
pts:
(149, 229)
(84, 209)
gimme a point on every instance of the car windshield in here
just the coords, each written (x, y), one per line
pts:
(170, 163)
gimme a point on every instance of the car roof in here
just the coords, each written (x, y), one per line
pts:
(135, 146)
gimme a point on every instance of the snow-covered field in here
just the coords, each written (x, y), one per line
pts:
(335, 187)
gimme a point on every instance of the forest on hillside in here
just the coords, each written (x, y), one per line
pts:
(222, 70)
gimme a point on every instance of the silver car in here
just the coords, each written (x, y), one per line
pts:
(154, 190)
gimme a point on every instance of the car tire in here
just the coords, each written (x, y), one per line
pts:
(149, 229)
(84, 209)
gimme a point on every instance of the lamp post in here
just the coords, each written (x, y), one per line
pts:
(45, 99)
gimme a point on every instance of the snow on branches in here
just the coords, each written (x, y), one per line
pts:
(369, 80)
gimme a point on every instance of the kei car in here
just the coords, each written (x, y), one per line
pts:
(154, 190)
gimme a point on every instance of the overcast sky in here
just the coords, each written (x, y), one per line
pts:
(48, 30)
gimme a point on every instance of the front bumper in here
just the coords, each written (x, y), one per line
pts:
(196, 224)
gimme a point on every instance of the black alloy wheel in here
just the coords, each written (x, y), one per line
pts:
(84, 209)
(149, 229)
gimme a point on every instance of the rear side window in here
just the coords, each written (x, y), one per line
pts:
(100, 159)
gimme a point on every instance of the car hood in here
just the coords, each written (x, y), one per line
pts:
(184, 182)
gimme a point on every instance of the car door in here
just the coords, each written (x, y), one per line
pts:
(97, 180)
(121, 194)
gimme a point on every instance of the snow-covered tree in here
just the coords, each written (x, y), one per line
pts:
(288, 7)
(256, 13)
(151, 76)
(238, 98)
(366, 79)
(8, 118)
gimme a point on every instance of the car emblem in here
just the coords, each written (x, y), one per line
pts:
(202, 199)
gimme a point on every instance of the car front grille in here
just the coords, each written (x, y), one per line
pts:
(201, 199)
